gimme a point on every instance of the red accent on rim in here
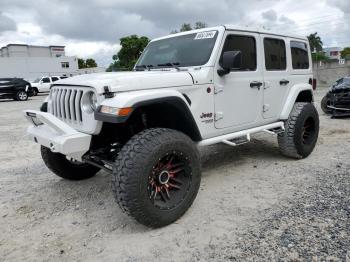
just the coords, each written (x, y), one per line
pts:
(169, 180)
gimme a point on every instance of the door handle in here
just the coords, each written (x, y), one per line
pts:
(256, 84)
(284, 82)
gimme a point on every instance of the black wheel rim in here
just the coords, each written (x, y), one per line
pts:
(308, 133)
(170, 180)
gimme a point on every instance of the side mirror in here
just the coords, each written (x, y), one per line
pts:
(231, 60)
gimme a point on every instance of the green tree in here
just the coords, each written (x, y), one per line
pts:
(132, 47)
(199, 25)
(90, 63)
(315, 42)
(81, 63)
(319, 56)
(185, 27)
(188, 27)
(345, 53)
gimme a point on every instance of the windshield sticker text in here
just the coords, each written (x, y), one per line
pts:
(205, 35)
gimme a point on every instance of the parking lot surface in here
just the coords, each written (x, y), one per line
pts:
(254, 204)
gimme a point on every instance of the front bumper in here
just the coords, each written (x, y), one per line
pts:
(51, 132)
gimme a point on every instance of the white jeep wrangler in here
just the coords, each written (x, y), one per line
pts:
(187, 90)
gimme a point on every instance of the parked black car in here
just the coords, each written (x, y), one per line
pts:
(15, 88)
(337, 99)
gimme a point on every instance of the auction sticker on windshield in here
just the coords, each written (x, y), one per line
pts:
(205, 35)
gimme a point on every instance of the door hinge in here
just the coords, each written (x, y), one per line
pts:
(266, 107)
(218, 90)
(218, 116)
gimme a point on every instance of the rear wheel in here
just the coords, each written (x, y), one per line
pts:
(35, 91)
(157, 176)
(67, 168)
(21, 96)
(301, 131)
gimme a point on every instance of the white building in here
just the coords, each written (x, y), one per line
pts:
(30, 62)
(332, 52)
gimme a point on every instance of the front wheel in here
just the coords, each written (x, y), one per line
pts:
(63, 167)
(324, 105)
(157, 176)
(301, 131)
(21, 96)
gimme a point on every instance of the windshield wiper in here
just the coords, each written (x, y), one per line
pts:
(144, 67)
(174, 65)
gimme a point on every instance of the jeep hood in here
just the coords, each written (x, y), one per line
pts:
(130, 81)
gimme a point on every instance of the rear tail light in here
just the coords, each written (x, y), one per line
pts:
(313, 82)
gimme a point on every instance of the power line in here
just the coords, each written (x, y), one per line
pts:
(312, 24)
(315, 28)
(316, 18)
(344, 42)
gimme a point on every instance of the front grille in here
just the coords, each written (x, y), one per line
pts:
(341, 100)
(66, 103)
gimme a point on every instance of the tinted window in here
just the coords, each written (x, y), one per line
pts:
(54, 79)
(245, 44)
(275, 54)
(300, 56)
(46, 80)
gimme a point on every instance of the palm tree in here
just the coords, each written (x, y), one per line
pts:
(315, 42)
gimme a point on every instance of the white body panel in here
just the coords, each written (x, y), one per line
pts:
(57, 135)
(131, 81)
(236, 103)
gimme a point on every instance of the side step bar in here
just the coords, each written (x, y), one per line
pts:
(245, 133)
(238, 141)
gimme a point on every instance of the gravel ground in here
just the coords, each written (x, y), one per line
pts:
(253, 205)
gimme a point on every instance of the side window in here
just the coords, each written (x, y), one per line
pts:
(245, 44)
(54, 79)
(300, 56)
(46, 80)
(275, 54)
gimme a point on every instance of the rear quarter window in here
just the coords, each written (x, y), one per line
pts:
(300, 55)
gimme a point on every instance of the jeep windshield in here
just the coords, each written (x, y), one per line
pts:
(180, 51)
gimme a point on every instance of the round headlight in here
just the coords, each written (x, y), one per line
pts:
(93, 100)
(89, 102)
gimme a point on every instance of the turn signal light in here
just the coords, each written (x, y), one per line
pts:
(116, 111)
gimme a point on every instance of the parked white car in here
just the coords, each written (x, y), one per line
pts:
(42, 85)
(188, 90)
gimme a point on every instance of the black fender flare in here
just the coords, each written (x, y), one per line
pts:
(188, 123)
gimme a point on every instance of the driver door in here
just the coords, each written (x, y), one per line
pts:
(45, 84)
(239, 94)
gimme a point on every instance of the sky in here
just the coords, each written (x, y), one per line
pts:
(92, 28)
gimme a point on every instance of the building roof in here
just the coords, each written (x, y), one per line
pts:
(33, 45)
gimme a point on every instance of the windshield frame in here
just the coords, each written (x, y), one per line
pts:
(210, 62)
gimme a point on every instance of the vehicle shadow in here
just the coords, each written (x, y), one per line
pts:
(5, 100)
(85, 196)
(221, 155)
